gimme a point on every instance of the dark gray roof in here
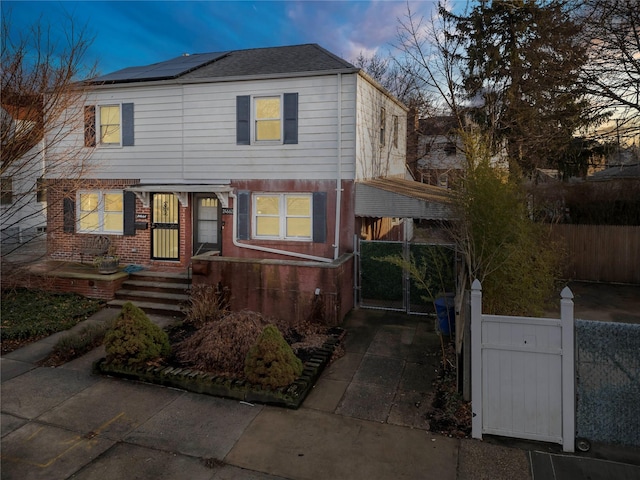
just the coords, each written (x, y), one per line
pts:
(236, 63)
(617, 173)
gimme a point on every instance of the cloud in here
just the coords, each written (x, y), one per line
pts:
(350, 28)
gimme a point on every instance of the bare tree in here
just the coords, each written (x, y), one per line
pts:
(430, 56)
(42, 98)
(611, 77)
(390, 73)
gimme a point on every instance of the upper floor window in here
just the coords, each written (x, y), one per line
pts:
(283, 216)
(267, 114)
(100, 211)
(450, 148)
(269, 119)
(395, 131)
(383, 124)
(41, 190)
(108, 125)
(6, 191)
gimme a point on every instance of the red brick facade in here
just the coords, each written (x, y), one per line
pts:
(132, 249)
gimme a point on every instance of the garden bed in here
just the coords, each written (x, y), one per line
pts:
(207, 383)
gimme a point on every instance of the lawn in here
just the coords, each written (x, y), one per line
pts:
(28, 315)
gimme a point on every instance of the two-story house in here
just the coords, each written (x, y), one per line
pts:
(22, 197)
(239, 166)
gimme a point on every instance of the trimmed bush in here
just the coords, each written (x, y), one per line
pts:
(134, 338)
(271, 361)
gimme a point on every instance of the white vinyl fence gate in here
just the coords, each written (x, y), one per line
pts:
(523, 377)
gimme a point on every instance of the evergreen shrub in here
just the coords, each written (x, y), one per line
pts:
(134, 339)
(271, 361)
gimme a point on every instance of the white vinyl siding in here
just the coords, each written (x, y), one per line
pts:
(187, 133)
(375, 156)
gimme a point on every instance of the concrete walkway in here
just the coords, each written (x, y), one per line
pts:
(364, 420)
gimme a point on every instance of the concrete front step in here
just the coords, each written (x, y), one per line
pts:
(154, 297)
(167, 309)
(162, 277)
(151, 286)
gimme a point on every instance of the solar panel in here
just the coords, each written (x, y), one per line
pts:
(163, 70)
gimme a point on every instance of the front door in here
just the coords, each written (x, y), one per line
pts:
(165, 227)
(206, 224)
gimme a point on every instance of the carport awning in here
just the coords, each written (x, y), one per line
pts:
(397, 197)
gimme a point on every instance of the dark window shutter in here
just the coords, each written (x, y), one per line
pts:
(69, 215)
(243, 215)
(90, 126)
(129, 206)
(290, 118)
(320, 217)
(127, 124)
(243, 124)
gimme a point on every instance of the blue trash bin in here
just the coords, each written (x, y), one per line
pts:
(446, 313)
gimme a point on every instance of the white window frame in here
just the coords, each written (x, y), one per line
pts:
(99, 142)
(100, 210)
(282, 216)
(254, 119)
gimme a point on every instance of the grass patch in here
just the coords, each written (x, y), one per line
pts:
(30, 314)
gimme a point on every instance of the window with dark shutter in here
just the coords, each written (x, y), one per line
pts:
(69, 215)
(243, 214)
(41, 190)
(243, 123)
(320, 217)
(290, 118)
(129, 207)
(127, 125)
(90, 126)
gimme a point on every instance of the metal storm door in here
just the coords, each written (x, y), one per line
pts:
(206, 223)
(165, 227)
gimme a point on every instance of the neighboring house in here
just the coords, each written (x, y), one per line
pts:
(440, 157)
(22, 197)
(239, 166)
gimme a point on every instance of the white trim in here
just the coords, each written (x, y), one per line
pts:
(99, 142)
(99, 210)
(182, 191)
(254, 120)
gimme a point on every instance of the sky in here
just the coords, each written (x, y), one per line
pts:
(133, 33)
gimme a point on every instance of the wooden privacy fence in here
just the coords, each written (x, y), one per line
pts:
(522, 374)
(600, 253)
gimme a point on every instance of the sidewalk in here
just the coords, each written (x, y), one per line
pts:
(362, 421)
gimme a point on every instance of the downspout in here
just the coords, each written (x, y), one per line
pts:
(336, 240)
(267, 249)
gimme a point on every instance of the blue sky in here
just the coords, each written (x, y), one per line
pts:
(129, 33)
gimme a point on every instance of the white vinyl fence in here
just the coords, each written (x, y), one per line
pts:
(522, 377)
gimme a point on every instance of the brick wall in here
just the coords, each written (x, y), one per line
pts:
(283, 289)
(132, 249)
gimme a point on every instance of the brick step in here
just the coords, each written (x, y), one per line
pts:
(165, 309)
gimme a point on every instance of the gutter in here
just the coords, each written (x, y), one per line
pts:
(336, 240)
